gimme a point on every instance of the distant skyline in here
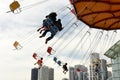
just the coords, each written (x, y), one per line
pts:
(17, 64)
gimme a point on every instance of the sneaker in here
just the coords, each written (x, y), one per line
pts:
(40, 36)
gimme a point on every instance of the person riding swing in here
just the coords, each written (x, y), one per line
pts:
(39, 62)
(65, 69)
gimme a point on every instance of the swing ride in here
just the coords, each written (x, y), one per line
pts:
(101, 15)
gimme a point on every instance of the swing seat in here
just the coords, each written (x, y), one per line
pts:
(14, 6)
(34, 55)
(55, 59)
(17, 45)
(59, 63)
(49, 50)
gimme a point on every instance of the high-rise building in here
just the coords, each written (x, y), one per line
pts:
(94, 66)
(109, 75)
(114, 54)
(44, 73)
(79, 72)
(98, 68)
(71, 73)
(94, 57)
(104, 71)
(34, 74)
(51, 74)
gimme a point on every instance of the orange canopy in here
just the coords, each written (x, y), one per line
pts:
(101, 14)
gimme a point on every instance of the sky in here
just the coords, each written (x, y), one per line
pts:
(17, 64)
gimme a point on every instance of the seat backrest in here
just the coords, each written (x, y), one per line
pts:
(59, 63)
(55, 59)
(14, 5)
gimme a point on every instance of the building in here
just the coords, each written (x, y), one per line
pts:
(34, 74)
(103, 66)
(109, 75)
(94, 57)
(114, 54)
(51, 74)
(71, 73)
(98, 68)
(78, 72)
(94, 65)
(44, 73)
